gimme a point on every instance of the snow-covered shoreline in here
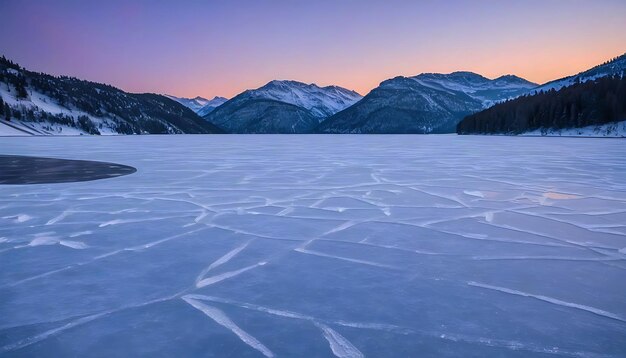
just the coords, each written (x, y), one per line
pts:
(609, 130)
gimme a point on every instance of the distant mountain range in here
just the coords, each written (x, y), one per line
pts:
(200, 105)
(40, 104)
(211, 105)
(281, 107)
(593, 102)
(427, 103)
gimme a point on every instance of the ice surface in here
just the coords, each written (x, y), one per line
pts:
(294, 246)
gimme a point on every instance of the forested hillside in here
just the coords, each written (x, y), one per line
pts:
(47, 104)
(592, 103)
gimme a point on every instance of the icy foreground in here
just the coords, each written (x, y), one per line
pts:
(301, 246)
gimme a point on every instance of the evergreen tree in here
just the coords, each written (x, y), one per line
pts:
(7, 112)
(20, 86)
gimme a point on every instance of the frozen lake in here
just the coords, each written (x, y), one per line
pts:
(302, 246)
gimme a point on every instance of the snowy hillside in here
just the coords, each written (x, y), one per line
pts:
(41, 104)
(427, 103)
(38, 103)
(281, 107)
(617, 66)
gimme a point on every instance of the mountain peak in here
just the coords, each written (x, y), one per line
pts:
(509, 77)
(210, 105)
(470, 82)
(513, 80)
(457, 76)
(287, 83)
(199, 104)
(466, 74)
(291, 84)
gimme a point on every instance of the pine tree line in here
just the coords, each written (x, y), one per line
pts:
(594, 102)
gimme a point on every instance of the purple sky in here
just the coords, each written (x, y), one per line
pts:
(208, 48)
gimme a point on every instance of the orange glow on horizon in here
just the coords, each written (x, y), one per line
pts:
(535, 67)
(223, 48)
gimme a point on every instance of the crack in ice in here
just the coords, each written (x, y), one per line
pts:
(222, 319)
(364, 262)
(222, 260)
(551, 300)
(340, 346)
(223, 276)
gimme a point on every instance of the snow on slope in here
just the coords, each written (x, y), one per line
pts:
(617, 130)
(320, 101)
(52, 105)
(469, 82)
(614, 67)
(485, 90)
(40, 102)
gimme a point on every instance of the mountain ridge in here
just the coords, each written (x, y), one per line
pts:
(199, 105)
(425, 103)
(615, 66)
(66, 105)
(281, 106)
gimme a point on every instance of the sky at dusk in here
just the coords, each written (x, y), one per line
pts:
(208, 48)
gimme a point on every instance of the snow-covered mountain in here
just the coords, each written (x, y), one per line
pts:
(36, 103)
(480, 88)
(426, 103)
(616, 66)
(210, 105)
(200, 105)
(281, 107)
(321, 101)
(192, 103)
